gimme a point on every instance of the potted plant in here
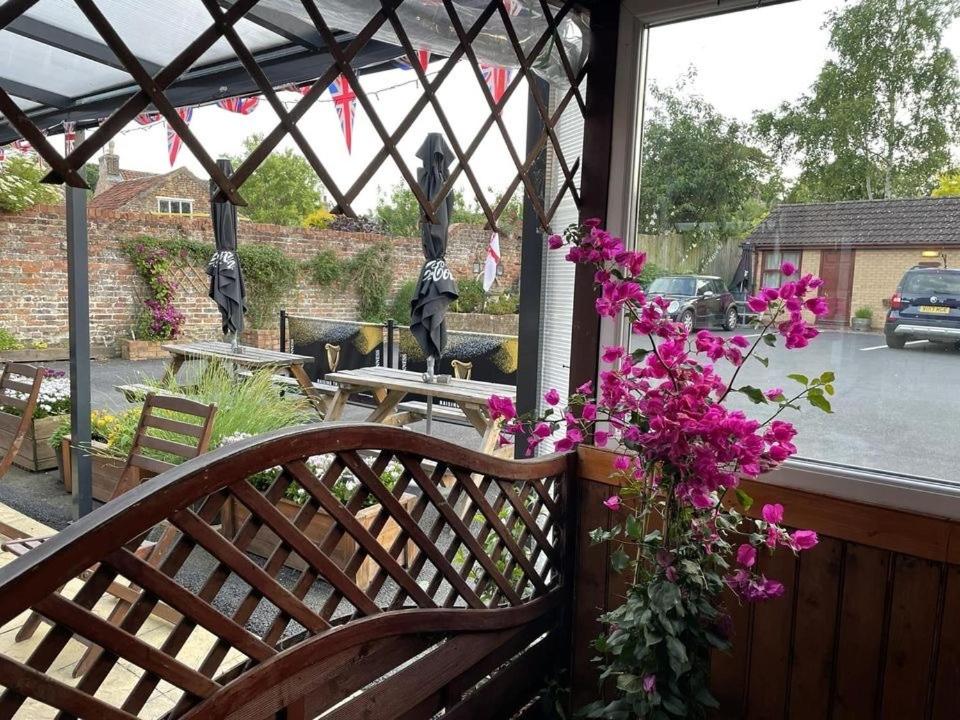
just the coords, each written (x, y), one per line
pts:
(52, 404)
(862, 319)
(265, 541)
(683, 534)
(107, 451)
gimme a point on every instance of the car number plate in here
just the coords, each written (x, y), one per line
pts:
(934, 310)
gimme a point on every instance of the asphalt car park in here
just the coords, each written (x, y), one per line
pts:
(894, 410)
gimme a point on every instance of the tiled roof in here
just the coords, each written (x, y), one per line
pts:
(919, 221)
(136, 174)
(120, 194)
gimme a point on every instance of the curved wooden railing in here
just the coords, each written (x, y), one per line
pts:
(402, 602)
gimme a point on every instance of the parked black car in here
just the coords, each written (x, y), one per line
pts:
(697, 300)
(926, 306)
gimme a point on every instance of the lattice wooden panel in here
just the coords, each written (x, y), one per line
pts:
(342, 52)
(394, 539)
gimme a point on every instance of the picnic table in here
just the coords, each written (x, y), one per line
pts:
(390, 387)
(249, 358)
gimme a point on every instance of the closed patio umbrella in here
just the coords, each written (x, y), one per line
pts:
(226, 278)
(436, 288)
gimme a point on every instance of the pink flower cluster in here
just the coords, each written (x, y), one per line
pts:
(792, 298)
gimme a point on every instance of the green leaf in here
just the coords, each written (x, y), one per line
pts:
(619, 560)
(664, 596)
(820, 402)
(633, 528)
(762, 360)
(827, 377)
(755, 394)
(746, 502)
(677, 654)
(639, 354)
(630, 683)
(770, 339)
(802, 379)
(829, 388)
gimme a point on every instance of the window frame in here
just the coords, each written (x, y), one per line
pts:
(764, 271)
(181, 203)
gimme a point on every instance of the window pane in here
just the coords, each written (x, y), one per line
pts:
(164, 206)
(739, 178)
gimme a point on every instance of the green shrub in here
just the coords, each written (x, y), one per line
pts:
(864, 313)
(8, 341)
(269, 275)
(471, 296)
(651, 272)
(20, 186)
(503, 304)
(318, 219)
(368, 272)
(326, 268)
(400, 306)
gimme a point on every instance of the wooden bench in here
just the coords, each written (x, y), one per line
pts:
(137, 392)
(413, 411)
(290, 383)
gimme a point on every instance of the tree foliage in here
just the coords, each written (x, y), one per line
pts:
(284, 190)
(398, 212)
(879, 119)
(20, 186)
(948, 185)
(699, 166)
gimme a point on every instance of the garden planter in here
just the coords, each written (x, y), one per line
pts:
(143, 350)
(264, 339)
(265, 541)
(35, 453)
(860, 324)
(105, 469)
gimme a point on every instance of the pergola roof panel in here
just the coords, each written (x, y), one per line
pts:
(51, 70)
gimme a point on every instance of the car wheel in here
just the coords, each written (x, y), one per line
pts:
(686, 317)
(895, 341)
(732, 318)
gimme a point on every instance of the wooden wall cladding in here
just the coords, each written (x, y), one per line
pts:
(869, 626)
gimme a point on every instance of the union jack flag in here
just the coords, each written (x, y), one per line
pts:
(345, 102)
(497, 79)
(174, 141)
(243, 106)
(69, 136)
(148, 118)
(423, 59)
(22, 146)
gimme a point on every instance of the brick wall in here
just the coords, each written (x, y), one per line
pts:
(33, 280)
(876, 274)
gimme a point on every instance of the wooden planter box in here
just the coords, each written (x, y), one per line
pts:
(105, 469)
(143, 350)
(35, 453)
(263, 339)
(265, 542)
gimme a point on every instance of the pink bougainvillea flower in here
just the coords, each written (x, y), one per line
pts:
(739, 341)
(757, 304)
(552, 397)
(501, 408)
(542, 430)
(788, 268)
(671, 574)
(774, 393)
(803, 539)
(613, 503)
(555, 242)
(621, 462)
(612, 353)
(592, 222)
(649, 684)
(772, 513)
(601, 438)
(746, 555)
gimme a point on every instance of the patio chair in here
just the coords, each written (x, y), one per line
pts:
(462, 370)
(198, 437)
(10, 384)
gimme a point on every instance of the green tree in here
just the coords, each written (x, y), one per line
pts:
(948, 185)
(700, 167)
(398, 212)
(879, 119)
(20, 186)
(283, 190)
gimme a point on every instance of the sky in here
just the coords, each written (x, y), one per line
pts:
(745, 61)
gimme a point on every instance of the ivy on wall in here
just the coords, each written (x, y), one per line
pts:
(367, 273)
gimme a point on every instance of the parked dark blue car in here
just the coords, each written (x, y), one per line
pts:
(926, 306)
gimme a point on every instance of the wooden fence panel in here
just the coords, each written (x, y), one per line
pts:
(867, 628)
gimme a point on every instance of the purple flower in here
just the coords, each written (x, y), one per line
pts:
(772, 513)
(788, 268)
(757, 304)
(746, 555)
(649, 684)
(555, 242)
(803, 539)
(613, 503)
(501, 408)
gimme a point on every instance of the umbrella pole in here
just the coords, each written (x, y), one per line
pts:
(429, 377)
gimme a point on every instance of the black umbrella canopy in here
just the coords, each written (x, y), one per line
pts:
(226, 278)
(436, 288)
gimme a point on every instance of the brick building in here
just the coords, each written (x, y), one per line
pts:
(860, 248)
(178, 192)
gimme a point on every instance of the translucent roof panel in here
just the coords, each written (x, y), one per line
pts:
(50, 69)
(154, 31)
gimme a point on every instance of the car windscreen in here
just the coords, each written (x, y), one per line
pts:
(672, 286)
(931, 283)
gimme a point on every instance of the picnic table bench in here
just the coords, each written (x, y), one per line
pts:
(391, 386)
